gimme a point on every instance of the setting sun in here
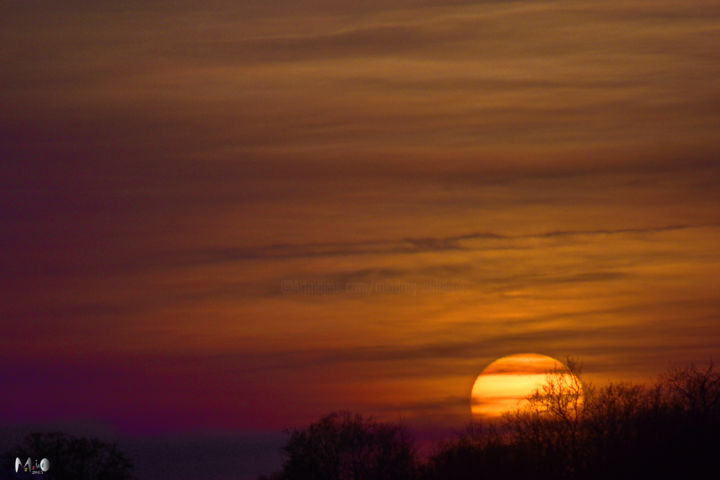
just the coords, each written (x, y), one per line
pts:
(508, 381)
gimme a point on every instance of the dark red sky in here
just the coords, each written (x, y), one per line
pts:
(242, 215)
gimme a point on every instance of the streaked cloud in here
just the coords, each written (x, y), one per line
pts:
(468, 179)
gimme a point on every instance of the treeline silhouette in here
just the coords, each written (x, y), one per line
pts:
(567, 430)
(71, 458)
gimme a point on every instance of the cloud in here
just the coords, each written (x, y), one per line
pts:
(605, 341)
(170, 165)
(403, 246)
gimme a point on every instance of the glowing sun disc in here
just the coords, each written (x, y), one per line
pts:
(505, 383)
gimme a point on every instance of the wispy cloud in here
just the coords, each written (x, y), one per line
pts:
(406, 245)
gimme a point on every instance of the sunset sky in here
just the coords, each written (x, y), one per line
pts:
(233, 216)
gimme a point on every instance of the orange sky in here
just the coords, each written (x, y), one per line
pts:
(258, 212)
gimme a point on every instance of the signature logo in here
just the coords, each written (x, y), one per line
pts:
(36, 468)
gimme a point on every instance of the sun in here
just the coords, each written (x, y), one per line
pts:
(505, 383)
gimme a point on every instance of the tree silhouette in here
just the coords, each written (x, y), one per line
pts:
(548, 427)
(568, 429)
(480, 452)
(345, 446)
(75, 458)
(695, 389)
